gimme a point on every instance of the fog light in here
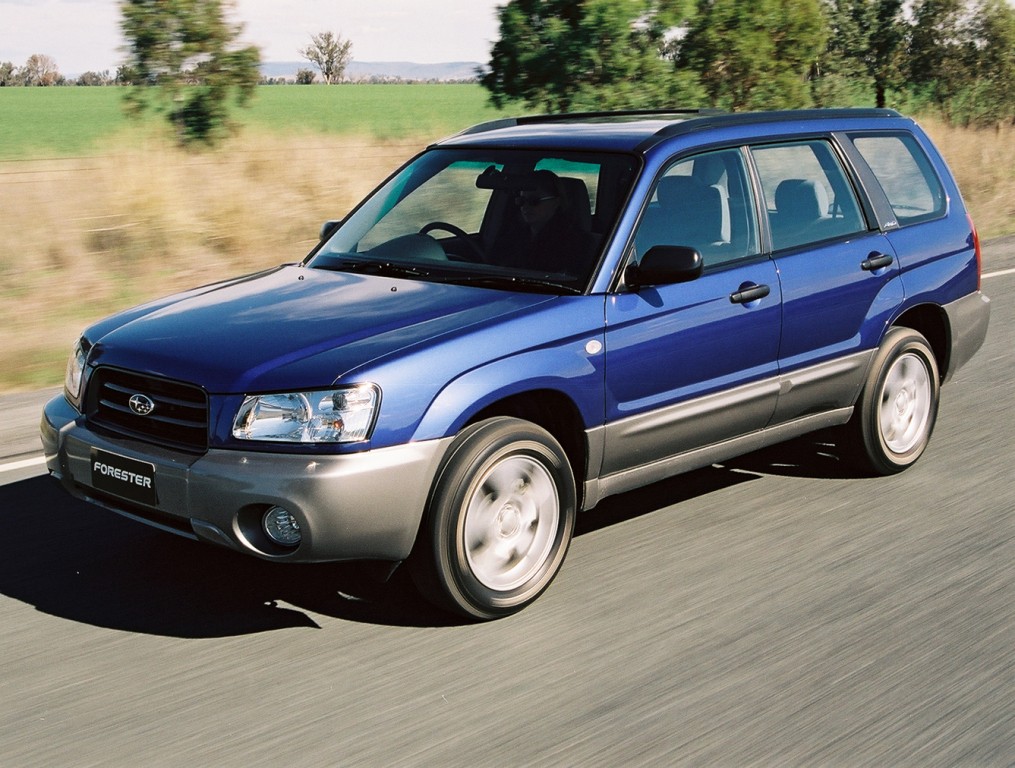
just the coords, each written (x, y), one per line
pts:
(281, 527)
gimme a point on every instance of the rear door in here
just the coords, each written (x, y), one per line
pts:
(839, 274)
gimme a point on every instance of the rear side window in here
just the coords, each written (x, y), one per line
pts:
(905, 174)
(808, 196)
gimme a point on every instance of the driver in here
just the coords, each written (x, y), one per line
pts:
(547, 239)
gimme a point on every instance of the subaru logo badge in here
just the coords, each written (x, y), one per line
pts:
(142, 405)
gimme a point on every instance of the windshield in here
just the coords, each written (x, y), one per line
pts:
(499, 218)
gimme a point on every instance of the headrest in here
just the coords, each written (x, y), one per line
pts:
(576, 196)
(802, 199)
(695, 209)
(708, 169)
(679, 190)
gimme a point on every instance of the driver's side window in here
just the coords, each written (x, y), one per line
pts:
(703, 202)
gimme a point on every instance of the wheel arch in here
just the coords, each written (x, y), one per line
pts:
(555, 412)
(931, 321)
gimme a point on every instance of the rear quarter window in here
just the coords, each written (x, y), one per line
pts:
(906, 175)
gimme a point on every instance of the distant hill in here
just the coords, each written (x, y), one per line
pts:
(382, 70)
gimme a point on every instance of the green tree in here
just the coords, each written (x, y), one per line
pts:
(937, 61)
(962, 58)
(755, 54)
(865, 42)
(184, 59)
(8, 74)
(330, 54)
(562, 55)
(992, 33)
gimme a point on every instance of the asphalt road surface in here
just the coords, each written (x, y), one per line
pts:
(772, 611)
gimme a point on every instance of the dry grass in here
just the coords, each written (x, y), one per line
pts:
(983, 161)
(83, 237)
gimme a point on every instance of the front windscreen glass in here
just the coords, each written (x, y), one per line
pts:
(498, 218)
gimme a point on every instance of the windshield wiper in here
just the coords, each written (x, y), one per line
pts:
(376, 268)
(513, 283)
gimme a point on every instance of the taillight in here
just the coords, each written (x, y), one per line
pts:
(976, 247)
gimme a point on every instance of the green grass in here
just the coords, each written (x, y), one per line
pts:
(67, 121)
(46, 122)
(378, 111)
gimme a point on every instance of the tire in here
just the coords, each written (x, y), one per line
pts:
(499, 521)
(897, 409)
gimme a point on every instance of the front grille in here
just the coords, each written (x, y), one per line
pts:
(178, 420)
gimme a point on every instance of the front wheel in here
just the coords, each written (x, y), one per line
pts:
(499, 522)
(898, 406)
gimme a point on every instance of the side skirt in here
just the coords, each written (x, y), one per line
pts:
(597, 489)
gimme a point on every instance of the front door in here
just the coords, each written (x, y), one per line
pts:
(696, 363)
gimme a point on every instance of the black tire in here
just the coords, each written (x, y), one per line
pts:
(499, 521)
(897, 409)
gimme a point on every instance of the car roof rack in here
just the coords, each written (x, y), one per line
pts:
(568, 117)
(720, 119)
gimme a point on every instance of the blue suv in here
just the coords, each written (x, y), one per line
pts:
(526, 318)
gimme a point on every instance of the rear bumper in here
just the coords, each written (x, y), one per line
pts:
(350, 507)
(968, 319)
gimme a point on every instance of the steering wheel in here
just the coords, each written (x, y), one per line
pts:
(458, 232)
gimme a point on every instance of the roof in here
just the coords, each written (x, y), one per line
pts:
(636, 130)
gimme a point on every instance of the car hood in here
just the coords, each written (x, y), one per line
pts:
(290, 328)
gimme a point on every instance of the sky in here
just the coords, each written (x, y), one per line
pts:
(84, 35)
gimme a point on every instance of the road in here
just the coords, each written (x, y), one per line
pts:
(772, 611)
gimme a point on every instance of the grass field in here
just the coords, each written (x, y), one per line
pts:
(60, 122)
(97, 213)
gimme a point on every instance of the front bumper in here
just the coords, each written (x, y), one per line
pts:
(363, 506)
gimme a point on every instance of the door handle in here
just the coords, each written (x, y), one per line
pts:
(875, 261)
(749, 293)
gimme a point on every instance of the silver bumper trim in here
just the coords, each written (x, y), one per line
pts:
(968, 319)
(352, 506)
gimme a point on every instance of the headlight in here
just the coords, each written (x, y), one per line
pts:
(330, 416)
(75, 372)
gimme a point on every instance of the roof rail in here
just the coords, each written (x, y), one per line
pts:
(564, 117)
(758, 118)
(775, 116)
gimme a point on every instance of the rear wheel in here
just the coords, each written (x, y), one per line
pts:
(898, 406)
(499, 522)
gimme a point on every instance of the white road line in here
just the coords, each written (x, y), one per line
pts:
(987, 275)
(14, 466)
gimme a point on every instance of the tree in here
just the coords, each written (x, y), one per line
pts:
(305, 76)
(184, 59)
(993, 50)
(561, 55)
(330, 53)
(937, 61)
(755, 54)
(865, 40)
(40, 69)
(94, 78)
(962, 57)
(8, 74)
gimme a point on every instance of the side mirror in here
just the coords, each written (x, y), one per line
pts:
(328, 228)
(665, 265)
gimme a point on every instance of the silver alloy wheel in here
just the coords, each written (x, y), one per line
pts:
(511, 523)
(905, 404)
